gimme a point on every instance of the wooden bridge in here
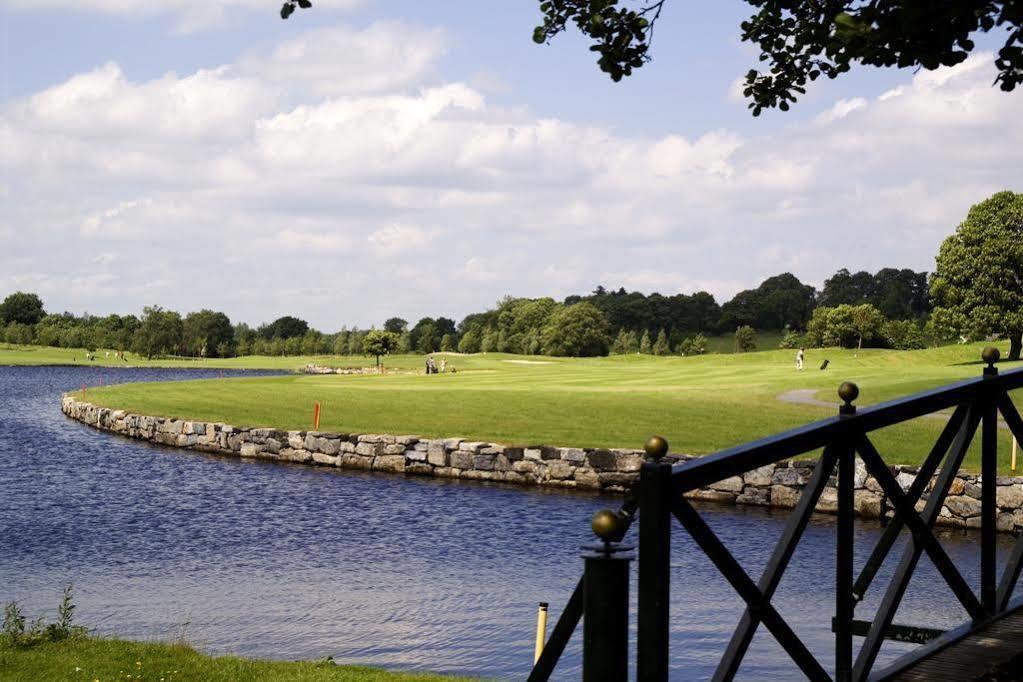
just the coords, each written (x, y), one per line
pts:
(987, 647)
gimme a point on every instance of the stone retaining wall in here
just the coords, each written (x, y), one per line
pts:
(604, 469)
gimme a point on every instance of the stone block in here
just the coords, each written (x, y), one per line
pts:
(784, 496)
(366, 449)
(413, 455)
(394, 463)
(460, 459)
(419, 469)
(963, 506)
(755, 495)
(438, 458)
(471, 446)
(733, 484)
(560, 469)
(711, 495)
(482, 462)
(326, 460)
(602, 460)
(353, 461)
(760, 477)
(828, 501)
(532, 454)
(573, 455)
(1010, 496)
(586, 478)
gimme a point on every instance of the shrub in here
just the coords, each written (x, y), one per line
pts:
(745, 339)
(792, 340)
(16, 633)
(694, 345)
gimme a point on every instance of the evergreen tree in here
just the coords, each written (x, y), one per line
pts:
(644, 344)
(661, 344)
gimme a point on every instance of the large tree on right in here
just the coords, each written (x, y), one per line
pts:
(977, 286)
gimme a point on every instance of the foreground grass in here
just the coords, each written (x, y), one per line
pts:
(701, 404)
(89, 659)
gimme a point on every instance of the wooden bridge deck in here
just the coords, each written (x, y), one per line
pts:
(990, 652)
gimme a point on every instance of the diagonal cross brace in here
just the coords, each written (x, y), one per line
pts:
(911, 554)
(919, 485)
(1015, 562)
(783, 550)
(922, 533)
(747, 589)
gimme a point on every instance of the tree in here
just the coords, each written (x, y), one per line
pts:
(209, 329)
(802, 41)
(977, 286)
(661, 346)
(160, 332)
(470, 342)
(745, 339)
(286, 327)
(378, 342)
(846, 326)
(21, 307)
(396, 325)
(778, 302)
(644, 343)
(579, 330)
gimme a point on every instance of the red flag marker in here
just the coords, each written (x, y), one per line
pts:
(316, 416)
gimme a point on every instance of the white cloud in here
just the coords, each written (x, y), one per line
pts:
(395, 238)
(331, 61)
(190, 15)
(352, 198)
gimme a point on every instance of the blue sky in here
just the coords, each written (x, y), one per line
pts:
(365, 159)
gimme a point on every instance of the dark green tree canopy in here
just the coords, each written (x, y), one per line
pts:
(21, 308)
(284, 328)
(897, 293)
(210, 330)
(802, 40)
(396, 325)
(978, 279)
(780, 301)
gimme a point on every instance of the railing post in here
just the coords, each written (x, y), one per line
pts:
(606, 605)
(654, 563)
(844, 599)
(989, 489)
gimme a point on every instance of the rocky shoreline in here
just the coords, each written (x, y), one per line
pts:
(596, 469)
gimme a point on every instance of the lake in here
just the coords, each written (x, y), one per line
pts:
(296, 562)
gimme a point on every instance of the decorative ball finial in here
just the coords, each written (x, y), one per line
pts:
(605, 525)
(848, 392)
(656, 447)
(991, 355)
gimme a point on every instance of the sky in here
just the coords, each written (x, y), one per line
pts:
(366, 159)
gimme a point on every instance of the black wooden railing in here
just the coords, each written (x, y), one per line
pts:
(659, 497)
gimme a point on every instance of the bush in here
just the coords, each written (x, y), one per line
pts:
(694, 345)
(903, 335)
(745, 339)
(792, 340)
(15, 633)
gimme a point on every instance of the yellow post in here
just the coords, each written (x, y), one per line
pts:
(541, 631)
(1015, 446)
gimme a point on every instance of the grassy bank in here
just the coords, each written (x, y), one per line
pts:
(700, 404)
(19, 355)
(88, 659)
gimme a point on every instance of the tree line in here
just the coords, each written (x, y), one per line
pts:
(976, 291)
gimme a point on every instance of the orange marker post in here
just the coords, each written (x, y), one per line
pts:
(83, 391)
(316, 416)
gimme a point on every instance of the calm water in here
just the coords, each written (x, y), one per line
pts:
(298, 562)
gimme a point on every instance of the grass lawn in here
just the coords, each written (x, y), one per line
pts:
(701, 404)
(88, 659)
(14, 354)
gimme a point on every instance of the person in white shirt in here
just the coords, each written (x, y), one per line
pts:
(799, 359)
